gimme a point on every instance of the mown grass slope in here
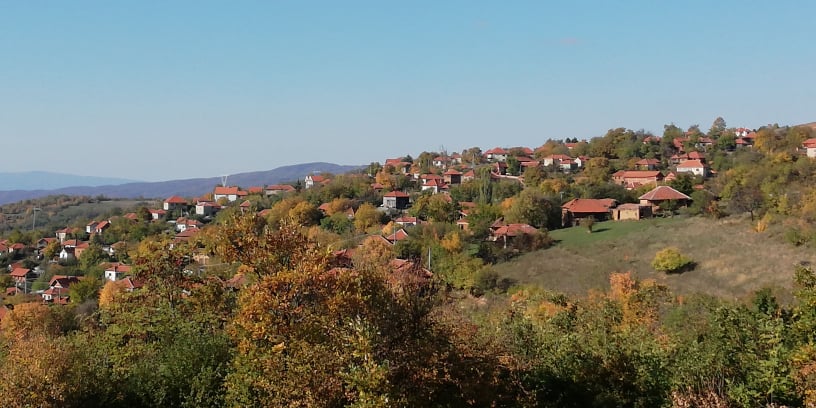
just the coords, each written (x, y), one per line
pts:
(731, 259)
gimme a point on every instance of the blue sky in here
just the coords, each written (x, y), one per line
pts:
(163, 90)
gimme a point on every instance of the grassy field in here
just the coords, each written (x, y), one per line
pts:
(732, 260)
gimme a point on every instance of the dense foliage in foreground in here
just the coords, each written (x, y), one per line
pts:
(296, 330)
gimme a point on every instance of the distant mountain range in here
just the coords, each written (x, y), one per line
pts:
(118, 188)
(45, 180)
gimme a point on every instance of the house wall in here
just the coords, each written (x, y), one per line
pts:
(699, 171)
(623, 215)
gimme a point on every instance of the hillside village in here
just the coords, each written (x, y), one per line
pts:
(391, 268)
(656, 177)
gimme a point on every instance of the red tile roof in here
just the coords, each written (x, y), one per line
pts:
(175, 200)
(663, 193)
(691, 164)
(63, 280)
(589, 205)
(20, 272)
(496, 150)
(116, 267)
(221, 190)
(514, 230)
(396, 194)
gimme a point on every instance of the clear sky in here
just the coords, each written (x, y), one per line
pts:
(155, 90)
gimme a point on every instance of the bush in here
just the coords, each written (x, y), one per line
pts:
(670, 260)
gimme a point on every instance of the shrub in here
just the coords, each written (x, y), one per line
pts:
(670, 260)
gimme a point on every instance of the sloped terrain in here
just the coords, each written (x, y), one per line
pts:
(731, 259)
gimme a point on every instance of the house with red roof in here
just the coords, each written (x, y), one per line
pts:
(175, 202)
(184, 223)
(506, 233)
(58, 288)
(21, 275)
(231, 193)
(555, 160)
(396, 199)
(315, 179)
(452, 176)
(579, 208)
(396, 236)
(496, 154)
(115, 271)
(662, 194)
(408, 221)
(694, 167)
(632, 179)
(129, 283)
(276, 189)
(435, 186)
(647, 164)
(157, 213)
(440, 161)
(631, 211)
(207, 208)
(810, 147)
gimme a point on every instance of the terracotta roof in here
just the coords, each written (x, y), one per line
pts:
(398, 235)
(63, 280)
(496, 150)
(436, 183)
(396, 194)
(221, 190)
(255, 190)
(691, 164)
(513, 230)
(245, 204)
(175, 200)
(452, 172)
(589, 205)
(20, 272)
(663, 193)
(117, 267)
(129, 283)
(318, 178)
(809, 143)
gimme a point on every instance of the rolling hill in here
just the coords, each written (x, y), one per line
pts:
(46, 180)
(732, 261)
(187, 187)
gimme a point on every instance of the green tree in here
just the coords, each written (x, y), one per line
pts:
(670, 260)
(532, 207)
(366, 217)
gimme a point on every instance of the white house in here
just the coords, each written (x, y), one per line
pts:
(810, 147)
(115, 271)
(230, 193)
(695, 167)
